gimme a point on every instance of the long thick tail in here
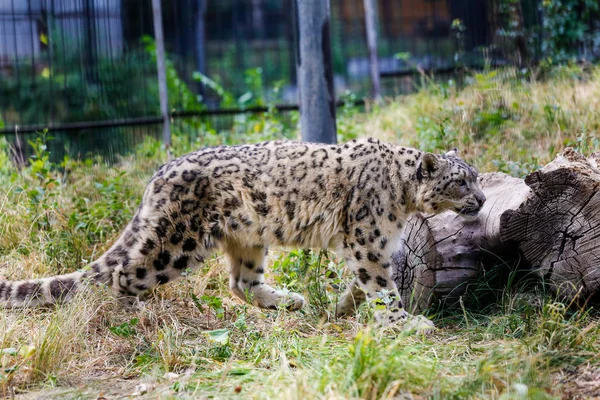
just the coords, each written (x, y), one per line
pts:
(39, 292)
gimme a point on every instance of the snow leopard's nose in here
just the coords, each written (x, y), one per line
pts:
(480, 198)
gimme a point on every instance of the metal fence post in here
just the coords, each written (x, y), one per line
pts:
(315, 71)
(371, 28)
(160, 67)
(90, 56)
(200, 39)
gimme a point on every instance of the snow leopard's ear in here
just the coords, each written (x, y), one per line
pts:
(452, 153)
(428, 165)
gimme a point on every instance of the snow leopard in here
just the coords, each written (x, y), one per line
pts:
(352, 198)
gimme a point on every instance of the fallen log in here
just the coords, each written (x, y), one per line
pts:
(551, 219)
(558, 228)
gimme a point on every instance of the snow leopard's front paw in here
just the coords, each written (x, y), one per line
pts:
(388, 317)
(267, 297)
(294, 301)
(419, 325)
(400, 319)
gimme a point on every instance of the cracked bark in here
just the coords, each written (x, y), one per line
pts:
(558, 228)
(551, 219)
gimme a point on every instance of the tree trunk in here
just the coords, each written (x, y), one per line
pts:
(163, 94)
(558, 228)
(371, 30)
(314, 64)
(551, 220)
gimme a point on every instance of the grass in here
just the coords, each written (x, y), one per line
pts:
(192, 339)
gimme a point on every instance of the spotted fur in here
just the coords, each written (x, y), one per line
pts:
(354, 198)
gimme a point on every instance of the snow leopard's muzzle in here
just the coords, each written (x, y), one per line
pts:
(473, 204)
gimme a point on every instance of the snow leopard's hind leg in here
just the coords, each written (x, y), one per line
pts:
(247, 275)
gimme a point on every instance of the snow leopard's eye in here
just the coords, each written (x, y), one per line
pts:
(461, 182)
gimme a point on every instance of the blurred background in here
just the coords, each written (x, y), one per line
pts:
(86, 69)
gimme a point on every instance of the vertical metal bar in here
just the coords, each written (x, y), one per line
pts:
(293, 41)
(33, 35)
(200, 40)
(110, 51)
(540, 35)
(371, 28)
(66, 69)
(90, 40)
(51, 16)
(132, 25)
(177, 55)
(239, 35)
(315, 72)
(15, 41)
(258, 25)
(77, 35)
(161, 71)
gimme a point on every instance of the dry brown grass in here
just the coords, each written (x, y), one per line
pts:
(499, 118)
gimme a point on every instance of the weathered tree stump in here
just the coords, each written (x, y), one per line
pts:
(551, 220)
(558, 228)
(442, 253)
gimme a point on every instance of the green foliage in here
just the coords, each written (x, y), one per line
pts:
(65, 95)
(346, 115)
(213, 302)
(254, 81)
(458, 29)
(221, 349)
(126, 329)
(41, 189)
(374, 364)
(226, 98)
(587, 142)
(518, 169)
(436, 136)
(569, 28)
(219, 336)
(11, 361)
(177, 88)
(254, 96)
(191, 133)
(98, 219)
(314, 273)
(6, 165)
(115, 88)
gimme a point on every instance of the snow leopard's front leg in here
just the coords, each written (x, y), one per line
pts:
(246, 280)
(373, 278)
